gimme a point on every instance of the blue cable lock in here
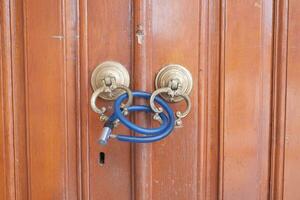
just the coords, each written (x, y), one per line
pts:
(151, 134)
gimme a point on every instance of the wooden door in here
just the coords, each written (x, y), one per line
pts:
(241, 140)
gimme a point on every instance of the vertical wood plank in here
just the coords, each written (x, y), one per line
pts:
(141, 77)
(246, 83)
(106, 35)
(19, 104)
(279, 99)
(292, 137)
(71, 90)
(7, 162)
(2, 142)
(50, 33)
(208, 87)
(44, 88)
(83, 97)
(175, 33)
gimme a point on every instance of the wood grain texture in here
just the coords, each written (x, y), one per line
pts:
(106, 35)
(7, 159)
(279, 99)
(19, 105)
(208, 102)
(142, 80)
(245, 99)
(71, 57)
(175, 159)
(292, 137)
(83, 97)
(240, 141)
(50, 38)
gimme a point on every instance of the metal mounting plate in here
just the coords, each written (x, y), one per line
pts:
(171, 72)
(110, 69)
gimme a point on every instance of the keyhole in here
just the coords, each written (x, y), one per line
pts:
(101, 158)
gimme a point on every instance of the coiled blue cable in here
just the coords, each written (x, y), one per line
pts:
(152, 134)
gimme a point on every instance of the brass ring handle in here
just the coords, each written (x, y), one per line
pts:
(188, 108)
(172, 93)
(97, 92)
(173, 83)
(93, 101)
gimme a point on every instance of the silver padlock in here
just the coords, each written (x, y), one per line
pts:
(106, 132)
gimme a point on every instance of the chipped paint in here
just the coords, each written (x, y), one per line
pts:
(140, 34)
(59, 37)
(258, 5)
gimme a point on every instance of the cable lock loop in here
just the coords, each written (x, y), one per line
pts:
(151, 134)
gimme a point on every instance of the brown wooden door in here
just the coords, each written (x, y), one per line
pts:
(241, 140)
